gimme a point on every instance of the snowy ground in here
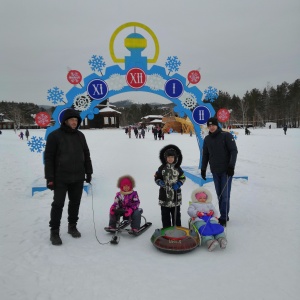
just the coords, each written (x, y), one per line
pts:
(261, 260)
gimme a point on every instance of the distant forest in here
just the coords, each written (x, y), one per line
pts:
(279, 104)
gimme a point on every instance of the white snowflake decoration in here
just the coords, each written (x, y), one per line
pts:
(116, 82)
(155, 82)
(188, 100)
(82, 102)
(204, 131)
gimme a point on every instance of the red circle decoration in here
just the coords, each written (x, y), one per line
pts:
(223, 115)
(42, 119)
(194, 76)
(74, 77)
(136, 78)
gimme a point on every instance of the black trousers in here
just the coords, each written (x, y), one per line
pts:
(74, 191)
(168, 216)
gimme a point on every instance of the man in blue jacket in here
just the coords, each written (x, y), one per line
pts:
(67, 165)
(220, 151)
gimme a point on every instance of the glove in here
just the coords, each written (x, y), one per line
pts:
(112, 210)
(210, 213)
(88, 178)
(50, 184)
(176, 185)
(230, 171)
(203, 174)
(200, 214)
(161, 183)
(128, 212)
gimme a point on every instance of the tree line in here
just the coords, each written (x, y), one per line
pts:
(279, 104)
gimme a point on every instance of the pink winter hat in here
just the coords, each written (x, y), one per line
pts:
(200, 195)
(126, 183)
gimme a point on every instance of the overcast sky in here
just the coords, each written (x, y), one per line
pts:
(238, 45)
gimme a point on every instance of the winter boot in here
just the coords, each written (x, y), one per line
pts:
(222, 243)
(73, 231)
(211, 245)
(55, 238)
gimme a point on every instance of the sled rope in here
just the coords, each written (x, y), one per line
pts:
(91, 189)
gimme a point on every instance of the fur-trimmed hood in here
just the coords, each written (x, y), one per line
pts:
(200, 190)
(178, 158)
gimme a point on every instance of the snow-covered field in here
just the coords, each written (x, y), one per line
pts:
(261, 261)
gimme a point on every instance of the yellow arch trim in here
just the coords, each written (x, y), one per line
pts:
(132, 24)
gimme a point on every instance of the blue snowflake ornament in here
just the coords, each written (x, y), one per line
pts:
(55, 95)
(173, 64)
(97, 63)
(233, 134)
(36, 144)
(211, 94)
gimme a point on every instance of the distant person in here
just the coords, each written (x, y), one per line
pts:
(155, 131)
(136, 132)
(67, 166)
(285, 129)
(21, 135)
(27, 134)
(143, 132)
(204, 218)
(247, 131)
(220, 151)
(129, 132)
(269, 126)
(170, 177)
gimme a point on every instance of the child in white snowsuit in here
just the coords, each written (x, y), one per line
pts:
(128, 200)
(204, 218)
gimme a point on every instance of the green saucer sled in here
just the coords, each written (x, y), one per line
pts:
(176, 239)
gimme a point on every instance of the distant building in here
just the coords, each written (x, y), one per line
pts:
(6, 123)
(152, 120)
(107, 117)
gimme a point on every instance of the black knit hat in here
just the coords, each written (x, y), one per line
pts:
(212, 121)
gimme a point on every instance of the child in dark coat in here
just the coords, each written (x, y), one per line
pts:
(128, 200)
(170, 177)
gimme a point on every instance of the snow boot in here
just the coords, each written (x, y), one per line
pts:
(211, 245)
(222, 242)
(55, 238)
(73, 231)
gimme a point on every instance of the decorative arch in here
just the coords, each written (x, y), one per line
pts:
(139, 74)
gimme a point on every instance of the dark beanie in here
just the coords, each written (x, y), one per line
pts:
(212, 121)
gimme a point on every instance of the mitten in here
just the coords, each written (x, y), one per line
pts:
(200, 214)
(176, 185)
(210, 213)
(112, 210)
(50, 184)
(203, 174)
(230, 171)
(88, 178)
(128, 212)
(161, 183)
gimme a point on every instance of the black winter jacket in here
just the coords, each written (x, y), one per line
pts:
(67, 156)
(219, 149)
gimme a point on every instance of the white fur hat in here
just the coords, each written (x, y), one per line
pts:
(201, 190)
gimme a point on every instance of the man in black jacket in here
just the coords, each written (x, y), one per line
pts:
(220, 151)
(67, 165)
